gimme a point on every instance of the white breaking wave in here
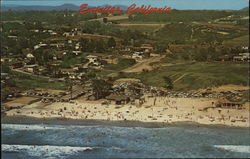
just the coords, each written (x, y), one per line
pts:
(29, 127)
(235, 148)
(43, 127)
(44, 150)
(83, 126)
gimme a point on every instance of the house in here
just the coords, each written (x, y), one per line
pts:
(225, 58)
(6, 60)
(41, 70)
(12, 37)
(66, 71)
(137, 55)
(77, 46)
(16, 65)
(66, 34)
(110, 59)
(53, 33)
(54, 57)
(39, 46)
(245, 47)
(147, 48)
(92, 58)
(76, 52)
(80, 68)
(35, 30)
(125, 49)
(4, 76)
(12, 30)
(241, 57)
(30, 56)
(31, 68)
(76, 31)
(58, 45)
(96, 65)
(61, 55)
(245, 56)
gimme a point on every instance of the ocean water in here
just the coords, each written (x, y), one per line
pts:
(67, 141)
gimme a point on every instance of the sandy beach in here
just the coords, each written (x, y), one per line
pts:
(155, 109)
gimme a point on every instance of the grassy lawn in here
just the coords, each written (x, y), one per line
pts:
(122, 64)
(26, 81)
(196, 76)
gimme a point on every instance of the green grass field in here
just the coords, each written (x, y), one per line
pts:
(27, 81)
(196, 76)
(148, 29)
(242, 40)
(31, 83)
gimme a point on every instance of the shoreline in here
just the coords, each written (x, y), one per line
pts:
(95, 122)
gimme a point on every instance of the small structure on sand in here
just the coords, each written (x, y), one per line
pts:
(223, 103)
(118, 99)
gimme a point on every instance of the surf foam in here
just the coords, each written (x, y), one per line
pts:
(44, 150)
(29, 127)
(235, 148)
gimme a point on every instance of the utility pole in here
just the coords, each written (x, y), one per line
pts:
(71, 88)
(152, 112)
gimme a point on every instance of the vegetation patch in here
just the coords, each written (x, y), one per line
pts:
(122, 64)
(199, 75)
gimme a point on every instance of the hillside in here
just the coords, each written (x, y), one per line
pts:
(195, 76)
(40, 7)
(184, 33)
(66, 6)
(245, 9)
(182, 16)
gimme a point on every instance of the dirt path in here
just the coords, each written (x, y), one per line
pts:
(220, 26)
(143, 65)
(114, 18)
(36, 76)
(30, 74)
(226, 88)
(150, 25)
(180, 77)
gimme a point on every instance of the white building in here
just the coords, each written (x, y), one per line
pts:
(92, 58)
(30, 55)
(39, 46)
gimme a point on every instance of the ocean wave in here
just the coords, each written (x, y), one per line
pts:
(30, 127)
(235, 148)
(82, 126)
(47, 150)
